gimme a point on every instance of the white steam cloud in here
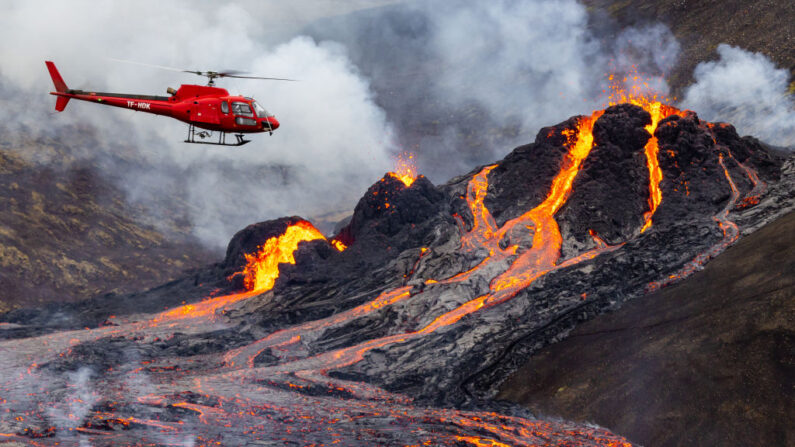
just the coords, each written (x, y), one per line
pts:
(521, 63)
(529, 57)
(333, 143)
(747, 90)
(539, 59)
(79, 396)
(503, 69)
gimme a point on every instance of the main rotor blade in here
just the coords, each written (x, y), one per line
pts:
(231, 72)
(257, 77)
(222, 74)
(162, 67)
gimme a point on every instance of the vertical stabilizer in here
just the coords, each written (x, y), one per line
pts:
(57, 80)
(60, 86)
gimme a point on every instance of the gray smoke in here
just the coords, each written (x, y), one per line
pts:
(529, 58)
(466, 81)
(747, 90)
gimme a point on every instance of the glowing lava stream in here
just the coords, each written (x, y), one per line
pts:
(655, 173)
(730, 232)
(259, 274)
(284, 337)
(483, 225)
(537, 261)
(755, 194)
(658, 112)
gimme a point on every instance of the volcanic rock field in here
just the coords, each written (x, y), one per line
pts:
(400, 328)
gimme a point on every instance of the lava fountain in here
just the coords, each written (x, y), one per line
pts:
(405, 169)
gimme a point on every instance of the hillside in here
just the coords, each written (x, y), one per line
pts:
(68, 233)
(708, 361)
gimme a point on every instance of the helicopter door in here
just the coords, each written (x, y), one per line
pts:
(206, 113)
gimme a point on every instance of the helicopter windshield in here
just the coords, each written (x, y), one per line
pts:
(261, 112)
(242, 109)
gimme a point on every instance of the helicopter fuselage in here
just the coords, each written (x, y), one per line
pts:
(210, 108)
(204, 106)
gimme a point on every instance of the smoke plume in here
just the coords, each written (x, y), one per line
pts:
(747, 90)
(71, 409)
(334, 141)
(465, 81)
(457, 82)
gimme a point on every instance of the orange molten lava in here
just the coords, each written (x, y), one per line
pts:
(480, 442)
(259, 274)
(658, 111)
(262, 268)
(405, 169)
(547, 239)
(338, 245)
(730, 232)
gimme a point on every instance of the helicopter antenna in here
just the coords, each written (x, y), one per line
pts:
(210, 75)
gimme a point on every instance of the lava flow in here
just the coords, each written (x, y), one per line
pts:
(262, 268)
(259, 274)
(540, 259)
(304, 379)
(658, 111)
(730, 230)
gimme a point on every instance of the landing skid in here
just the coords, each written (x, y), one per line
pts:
(202, 134)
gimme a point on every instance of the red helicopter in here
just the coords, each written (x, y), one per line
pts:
(201, 106)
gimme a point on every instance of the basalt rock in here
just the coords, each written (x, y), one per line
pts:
(394, 217)
(521, 180)
(611, 191)
(392, 226)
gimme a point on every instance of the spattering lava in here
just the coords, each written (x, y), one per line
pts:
(405, 169)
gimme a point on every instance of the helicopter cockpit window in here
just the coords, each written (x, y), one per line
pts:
(242, 109)
(224, 107)
(261, 112)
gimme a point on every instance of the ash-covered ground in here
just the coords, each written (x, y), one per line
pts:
(403, 337)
